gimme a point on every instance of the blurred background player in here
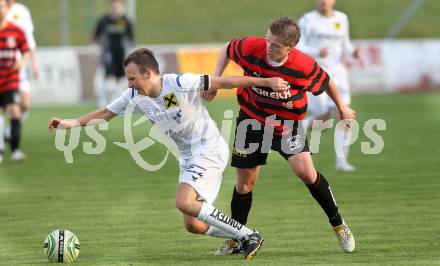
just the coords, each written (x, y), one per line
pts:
(325, 36)
(114, 34)
(19, 15)
(12, 39)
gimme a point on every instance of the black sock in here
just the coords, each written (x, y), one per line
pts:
(240, 206)
(15, 134)
(322, 193)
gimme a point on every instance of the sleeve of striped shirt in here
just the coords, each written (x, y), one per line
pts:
(238, 48)
(316, 79)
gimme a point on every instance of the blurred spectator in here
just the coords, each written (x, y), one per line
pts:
(114, 34)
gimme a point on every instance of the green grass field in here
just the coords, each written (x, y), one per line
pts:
(126, 216)
(195, 21)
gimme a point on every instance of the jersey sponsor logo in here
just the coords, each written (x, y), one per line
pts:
(170, 100)
(220, 216)
(272, 94)
(7, 54)
(163, 116)
(331, 37)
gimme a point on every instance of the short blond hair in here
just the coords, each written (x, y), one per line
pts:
(287, 29)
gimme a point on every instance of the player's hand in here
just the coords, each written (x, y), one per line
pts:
(56, 122)
(278, 84)
(323, 52)
(348, 115)
(208, 95)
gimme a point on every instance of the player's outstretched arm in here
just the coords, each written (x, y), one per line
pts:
(277, 84)
(98, 115)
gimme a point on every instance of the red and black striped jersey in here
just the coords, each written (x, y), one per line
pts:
(300, 70)
(12, 39)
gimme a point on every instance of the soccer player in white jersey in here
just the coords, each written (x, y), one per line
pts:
(172, 103)
(19, 15)
(325, 37)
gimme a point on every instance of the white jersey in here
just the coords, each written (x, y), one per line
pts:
(20, 16)
(178, 112)
(318, 32)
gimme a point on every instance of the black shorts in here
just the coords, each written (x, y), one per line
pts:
(113, 64)
(251, 146)
(9, 97)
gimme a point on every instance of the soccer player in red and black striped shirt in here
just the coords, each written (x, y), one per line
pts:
(12, 39)
(272, 120)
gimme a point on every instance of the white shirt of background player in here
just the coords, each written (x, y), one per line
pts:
(326, 39)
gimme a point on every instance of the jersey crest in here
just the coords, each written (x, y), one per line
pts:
(170, 100)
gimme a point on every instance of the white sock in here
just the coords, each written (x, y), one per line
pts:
(2, 139)
(215, 232)
(214, 217)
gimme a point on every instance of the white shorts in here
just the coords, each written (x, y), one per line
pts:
(25, 85)
(204, 173)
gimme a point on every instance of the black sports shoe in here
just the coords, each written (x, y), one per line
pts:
(251, 245)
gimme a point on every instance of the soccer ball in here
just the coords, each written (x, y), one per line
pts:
(61, 246)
